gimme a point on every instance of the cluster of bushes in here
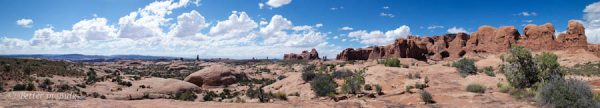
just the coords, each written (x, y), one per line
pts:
(263, 96)
(489, 71)
(585, 69)
(245, 80)
(46, 85)
(24, 87)
(185, 95)
(119, 80)
(308, 73)
(543, 74)
(392, 62)
(465, 67)
(19, 69)
(354, 83)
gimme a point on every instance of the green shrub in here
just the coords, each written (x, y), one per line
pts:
(281, 77)
(24, 87)
(280, 96)
(420, 86)
(378, 89)
(476, 88)
(392, 62)
(342, 74)
(426, 97)
(505, 88)
(407, 89)
(489, 71)
(46, 84)
(354, 83)
(91, 77)
(308, 73)
(465, 67)
(95, 95)
(208, 96)
(568, 93)
(323, 85)
(548, 66)
(519, 68)
(185, 95)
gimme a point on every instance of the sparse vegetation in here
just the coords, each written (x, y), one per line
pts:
(185, 95)
(20, 69)
(46, 85)
(465, 67)
(426, 97)
(323, 85)
(378, 89)
(24, 87)
(308, 73)
(568, 93)
(392, 62)
(585, 69)
(341, 74)
(91, 76)
(354, 84)
(489, 71)
(476, 88)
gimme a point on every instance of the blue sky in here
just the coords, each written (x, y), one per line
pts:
(95, 26)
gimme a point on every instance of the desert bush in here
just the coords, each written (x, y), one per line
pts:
(392, 62)
(95, 95)
(91, 77)
(570, 93)
(489, 71)
(548, 66)
(185, 95)
(353, 84)
(378, 89)
(1, 87)
(102, 97)
(46, 84)
(420, 86)
(281, 77)
(426, 97)
(519, 68)
(341, 74)
(465, 67)
(209, 96)
(585, 69)
(408, 88)
(475, 88)
(308, 74)
(280, 96)
(323, 85)
(24, 87)
(504, 88)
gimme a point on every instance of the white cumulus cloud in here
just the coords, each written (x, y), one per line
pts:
(188, 24)
(27, 23)
(457, 30)
(278, 3)
(592, 22)
(378, 37)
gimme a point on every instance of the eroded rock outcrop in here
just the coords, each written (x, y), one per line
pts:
(486, 39)
(215, 75)
(305, 55)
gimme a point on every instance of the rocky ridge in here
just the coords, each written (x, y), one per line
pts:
(486, 39)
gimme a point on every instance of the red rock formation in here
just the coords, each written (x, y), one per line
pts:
(486, 39)
(305, 55)
(574, 37)
(539, 38)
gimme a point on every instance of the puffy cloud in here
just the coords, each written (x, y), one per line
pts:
(94, 29)
(27, 23)
(278, 3)
(457, 30)
(188, 24)
(380, 38)
(592, 22)
(238, 24)
(346, 28)
(146, 22)
(276, 34)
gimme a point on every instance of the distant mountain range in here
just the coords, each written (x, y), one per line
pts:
(80, 57)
